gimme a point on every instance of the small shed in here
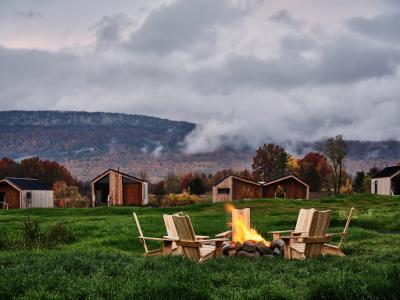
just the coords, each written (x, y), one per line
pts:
(289, 187)
(25, 193)
(236, 188)
(113, 187)
(386, 182)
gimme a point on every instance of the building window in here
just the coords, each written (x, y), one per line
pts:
(224, 191)
(376, 186)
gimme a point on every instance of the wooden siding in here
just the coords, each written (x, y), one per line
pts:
(38, 199)
(122, 189)
(245, 190)
(12, 195)
(225, 184)
(132, 193)
(294, 189)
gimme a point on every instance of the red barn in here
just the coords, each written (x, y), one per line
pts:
(289, 187)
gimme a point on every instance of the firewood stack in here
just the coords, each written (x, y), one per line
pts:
(254, 249)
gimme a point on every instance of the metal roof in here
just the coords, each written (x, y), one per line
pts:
(388, 172)
(27, 184)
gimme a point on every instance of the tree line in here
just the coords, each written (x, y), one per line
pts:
(323, 171)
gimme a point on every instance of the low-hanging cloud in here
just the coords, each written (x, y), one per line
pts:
(246, 73)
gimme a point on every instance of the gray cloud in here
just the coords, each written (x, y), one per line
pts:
(244, 77)
(180, 24)
(383, 26)
(110, 29)
(29, 14)
(284, 17)
(342, 61)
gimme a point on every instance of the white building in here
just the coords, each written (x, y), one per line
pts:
(25, 193)
(386, 182)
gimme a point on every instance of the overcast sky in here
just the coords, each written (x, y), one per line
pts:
(249, 71)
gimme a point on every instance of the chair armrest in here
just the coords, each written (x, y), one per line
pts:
(281, 231)
(154, 239)
(213, 240)
(202, 237)
(170, 238)
(224, 234)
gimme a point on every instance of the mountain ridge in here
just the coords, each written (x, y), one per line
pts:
(89, 142)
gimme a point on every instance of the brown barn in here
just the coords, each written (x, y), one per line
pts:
(289, 187)
(116, 188)
(25, 193)
(236, 188)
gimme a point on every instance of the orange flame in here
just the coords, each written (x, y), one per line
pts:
(241, 230)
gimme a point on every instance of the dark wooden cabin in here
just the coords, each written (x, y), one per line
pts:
(289, 187)
(236, 188)
(116, 188)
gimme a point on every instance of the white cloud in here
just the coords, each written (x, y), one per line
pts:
(247, 71)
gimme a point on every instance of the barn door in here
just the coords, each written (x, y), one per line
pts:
(132, 194)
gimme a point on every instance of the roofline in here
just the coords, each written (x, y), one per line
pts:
(24, 178)
(390, 176)
(284, 178)
(239, 178)
(97, 178)
(395, 174)
(10, 183)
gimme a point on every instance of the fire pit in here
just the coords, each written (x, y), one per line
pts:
(246, 241)
(254, 249)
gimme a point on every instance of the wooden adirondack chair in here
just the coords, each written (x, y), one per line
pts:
(167, 242)
(195, 250)
(310, 243)
(244, 214)
(329, 249)
(302, 225)
(173, 234)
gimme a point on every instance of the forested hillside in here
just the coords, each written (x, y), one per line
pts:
(87, 143)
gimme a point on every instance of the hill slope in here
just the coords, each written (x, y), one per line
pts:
(88, 143)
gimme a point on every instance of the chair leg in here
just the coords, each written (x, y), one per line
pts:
(167, 247)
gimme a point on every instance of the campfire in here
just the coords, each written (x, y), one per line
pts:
(246, 241)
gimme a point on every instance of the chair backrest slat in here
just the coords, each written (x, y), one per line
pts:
(304, 221)
(319, 227)
(139, 228)
(185, 232)
(346, 228)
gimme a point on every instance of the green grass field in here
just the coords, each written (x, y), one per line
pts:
(106, 260)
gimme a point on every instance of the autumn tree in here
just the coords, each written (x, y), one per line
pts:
(270, 162)
(335, 148)
(172, 183)
(196, 186)
(314, 169)
(8, 168)
(246, 174)
(293, 165)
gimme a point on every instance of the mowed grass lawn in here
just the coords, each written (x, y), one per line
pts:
(106, 261)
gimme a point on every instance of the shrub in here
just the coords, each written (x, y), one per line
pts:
(179, 199)
(33, 237)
